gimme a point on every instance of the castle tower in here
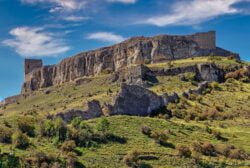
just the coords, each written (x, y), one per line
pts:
(31, 64)
(206, 40)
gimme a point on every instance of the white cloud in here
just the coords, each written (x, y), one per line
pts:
(106, 37)
(34, 42)
(59, 5)
(74, 18)
(124, 1)
(194, 12)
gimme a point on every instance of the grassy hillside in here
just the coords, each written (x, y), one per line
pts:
(218, 121)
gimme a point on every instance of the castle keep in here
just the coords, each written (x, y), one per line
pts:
(137, 50)
(205, 40)
(32, 64)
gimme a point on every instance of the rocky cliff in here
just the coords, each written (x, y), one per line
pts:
(136, 50)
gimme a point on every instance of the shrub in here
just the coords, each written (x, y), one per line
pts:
(61, 129)
(5, 135)
(217, 134)
(215, 86)
(76, 122)
(20, 140)
(40, 159)
(103, 126)
(68, 146)
(238, 154)
(26, 128)
(211, 114)
(132, 159)
(47, 128)
(9, 161)
(204, 148)
(159, 137)
(184, 151)
(241, 73)
(146, 130)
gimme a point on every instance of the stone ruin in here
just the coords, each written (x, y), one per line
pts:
(137, 50)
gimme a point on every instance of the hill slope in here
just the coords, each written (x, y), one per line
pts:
(216, 121)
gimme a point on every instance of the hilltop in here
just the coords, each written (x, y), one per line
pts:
(132, 110)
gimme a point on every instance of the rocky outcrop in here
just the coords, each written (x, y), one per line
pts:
(134, 75)
(203, 72)
(93, 111)
(199, 90)
(137, 101)
(209, 72)
(137, 50)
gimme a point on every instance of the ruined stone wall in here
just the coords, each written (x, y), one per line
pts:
(205, 40)
(32, 64)
(138, 50)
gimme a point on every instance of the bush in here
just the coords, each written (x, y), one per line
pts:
(26, 128)
(211, 114)
(9, 161)
(217, 134)
(20, 140)
(41, 160)
(103, 126)
(146, 130)
(5, 135)
(184, 151)
(239, 74)
(47, 128)
(215, 86)
(238, 154)
(204, 148)
(159, 137)
(132, 159)
(68, 146)
(76, 122)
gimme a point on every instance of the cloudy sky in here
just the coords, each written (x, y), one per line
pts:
(55, 29)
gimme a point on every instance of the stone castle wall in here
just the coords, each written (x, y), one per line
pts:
(138, 50)
(205, 40)
(32, 64)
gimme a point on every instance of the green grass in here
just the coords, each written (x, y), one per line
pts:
(234, 98)
(223, 61)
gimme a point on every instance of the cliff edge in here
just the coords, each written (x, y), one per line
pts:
(137, 50)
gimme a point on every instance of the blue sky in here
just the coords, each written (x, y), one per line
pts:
(55, 29)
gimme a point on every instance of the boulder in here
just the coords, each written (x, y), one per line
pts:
(137, 101)
(210, 73)
(93, 110)
(135, 75)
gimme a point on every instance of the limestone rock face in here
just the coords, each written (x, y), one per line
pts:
(137, 101)
(92, 111)
(210, 72)
(134, 75)
(138, 50)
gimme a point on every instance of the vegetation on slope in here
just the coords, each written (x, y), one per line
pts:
(209, 130)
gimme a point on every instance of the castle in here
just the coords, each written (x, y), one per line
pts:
(137, 50)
